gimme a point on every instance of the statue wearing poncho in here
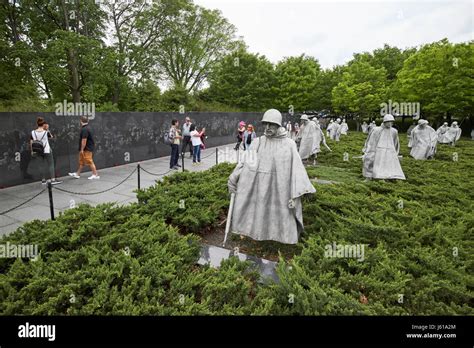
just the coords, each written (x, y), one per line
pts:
(424, 141)
(336, 130)
(268, 186)
(307, 138)
(453, 133)
(381, 153)
(443, 134)
(344, 127)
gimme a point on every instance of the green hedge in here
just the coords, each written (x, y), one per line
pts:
(113, 261)
(409, 251)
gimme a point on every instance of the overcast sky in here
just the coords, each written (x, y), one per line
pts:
(332, 31)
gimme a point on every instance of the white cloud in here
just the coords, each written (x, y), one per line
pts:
(332, 31)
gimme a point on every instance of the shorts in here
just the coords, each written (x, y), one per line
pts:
(85, 158)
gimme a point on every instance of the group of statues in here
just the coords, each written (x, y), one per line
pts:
(266, 191)
(381, 159)
(449, 135)
(309, 138)
(335, 129)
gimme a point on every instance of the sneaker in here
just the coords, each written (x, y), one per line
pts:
(93, 177)
(199, 163)
(178, 165)
(195, 164)
(175, 168)
(74, 175)
(55, 182)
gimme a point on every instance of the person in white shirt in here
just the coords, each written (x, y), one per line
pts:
(197, 142)
(40, 136)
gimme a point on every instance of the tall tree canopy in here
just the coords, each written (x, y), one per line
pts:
(295, 82)
(440, 77)
(361, 91)
(192, 43)
(243, 80)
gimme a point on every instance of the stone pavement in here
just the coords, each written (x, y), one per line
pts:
(38, 208)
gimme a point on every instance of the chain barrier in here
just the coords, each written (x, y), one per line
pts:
(95, 193)
(155, 174)
(211, 154)
(19, 205)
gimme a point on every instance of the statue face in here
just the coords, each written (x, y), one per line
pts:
(388, 124)
(270, 129)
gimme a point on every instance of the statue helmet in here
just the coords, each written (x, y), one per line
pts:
(455, 123)
(304, 117)
(388, 118)
(445, 123)
(422, 122)
(272, 116)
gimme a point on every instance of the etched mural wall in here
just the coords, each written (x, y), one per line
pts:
(119, 136)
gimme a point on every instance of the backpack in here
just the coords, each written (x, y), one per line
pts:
(37, 146)
(167, 139)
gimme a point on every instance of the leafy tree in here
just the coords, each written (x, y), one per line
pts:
(243, 80)
(296, 78)
(146, 96)
(439, 77)
(175, 98)
(325, 82)
(361, 91)
(137, 28)
(15, 70)
(388, 57)
(191, 44)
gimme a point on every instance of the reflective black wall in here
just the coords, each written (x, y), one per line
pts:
(140, 134)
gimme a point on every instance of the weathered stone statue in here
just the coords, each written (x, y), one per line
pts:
(409, 135)
(307, 138)
(344, 127)
(380, 160)
(336, 130)
(365, 127)
(268, 187)
(372, 125)
(453, 133)
(329, 128)
(442, 134)
(424, 141)
(320, 138)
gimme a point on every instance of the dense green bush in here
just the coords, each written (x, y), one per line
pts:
(204, 196)
(112, 261)
(418, 237)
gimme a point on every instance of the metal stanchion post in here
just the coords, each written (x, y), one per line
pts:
(182, 162)
(217, 155)
(138, 176)
(51, 205)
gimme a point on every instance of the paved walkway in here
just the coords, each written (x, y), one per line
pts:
(38, 207)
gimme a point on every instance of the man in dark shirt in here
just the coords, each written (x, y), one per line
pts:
(86, 148)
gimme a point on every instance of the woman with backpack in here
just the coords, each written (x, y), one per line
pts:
(41, 150)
